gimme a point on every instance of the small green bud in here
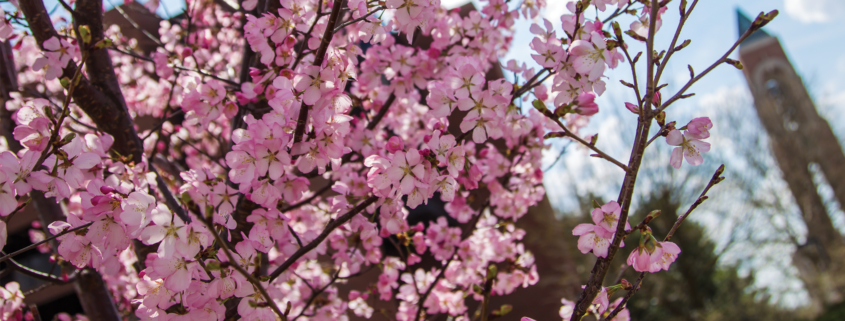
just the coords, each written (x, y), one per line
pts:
(103, 43)
(85, 34)
(66, 140)
(539, 105)
(492, 271)
(734, 63)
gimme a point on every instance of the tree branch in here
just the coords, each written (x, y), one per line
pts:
(32, 246)
(320, 55)
(716, 179)
(333, 224)
(251, 278)
(599, 271)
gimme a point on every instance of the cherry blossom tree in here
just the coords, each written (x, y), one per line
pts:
(291, 138)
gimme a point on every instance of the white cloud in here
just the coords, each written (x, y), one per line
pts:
(813, 11)
(554, 9)
(453, 3)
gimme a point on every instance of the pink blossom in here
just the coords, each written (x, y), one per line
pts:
(641, 26)
(593, 238)
(590, 56)
(34, 135)
(669, 252)
(640, 259)
(698, 128)
(608, 216)
(585, 104)
(395, 144)
(632, 108)
(689, 148)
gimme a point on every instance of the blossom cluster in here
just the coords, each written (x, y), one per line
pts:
(303, 155)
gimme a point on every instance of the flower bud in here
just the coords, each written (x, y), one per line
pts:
(656, 99)
(187, 52)
(85, 33)
(585, 104)
(427, 138)
(106, 189)
(395, 144)
(626, 285)
(632, 108)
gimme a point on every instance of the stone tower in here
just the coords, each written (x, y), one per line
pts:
(799, 137)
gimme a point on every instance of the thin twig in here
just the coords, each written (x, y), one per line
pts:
(135, 25)
(319, 56)
(333, 224)
(382, 111)
(706, 71)
(35, 274)
(716, 179)
(671, 49)
(32, 246)
(604, 155)
(308, 200)
(342, 25)
(599, 271)
(251, 278)
(199, 71)
(464, 235)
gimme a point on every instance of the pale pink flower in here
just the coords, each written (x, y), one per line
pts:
(669, 253)
(35, 135)
(699, 128)
(168, 229)
(593, 238)
(590, 57)
(689, 148)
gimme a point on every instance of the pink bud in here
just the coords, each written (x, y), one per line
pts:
(354, 295)
(475, 173)
(243, 100)
(427, 138)
(36, 224)
(433, 53)
(585, 104)
(440, 126)
(541, 92)
(425, 152)
(52, 259)
(287, 73)
(419, 227)
(142, 273)
(700, 127)
(538, 174)
(483, 153)
(97, 200)
(254, 72)
(395, 144)
(413, 259)
(187, 52)
(633, 108)
(657, 99)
